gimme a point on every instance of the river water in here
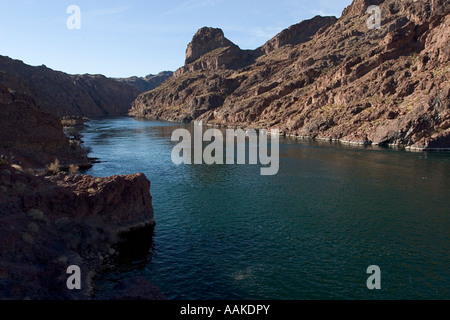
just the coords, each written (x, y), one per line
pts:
(309, 232)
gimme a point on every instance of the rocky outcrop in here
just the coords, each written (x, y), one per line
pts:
(34, 138)
(211, 51)
(204, 41)
(50, 223)
(68, 95)
(387, 86)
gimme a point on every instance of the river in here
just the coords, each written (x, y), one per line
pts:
(308, 232)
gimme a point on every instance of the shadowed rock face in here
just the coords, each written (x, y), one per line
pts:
(33, 137)
(68, 95)
(339, 82)
(48, 224)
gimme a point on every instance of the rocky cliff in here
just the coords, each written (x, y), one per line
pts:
(332, 79)
(50, 223)
(72, 95)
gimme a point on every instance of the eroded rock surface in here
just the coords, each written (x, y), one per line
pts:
(343, 81)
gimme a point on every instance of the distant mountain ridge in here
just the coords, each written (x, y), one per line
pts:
(148, 82)
(325, 78)
(63, 94)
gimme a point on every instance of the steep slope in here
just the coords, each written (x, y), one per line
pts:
(298, 33)
(68, 95)
(387, 86)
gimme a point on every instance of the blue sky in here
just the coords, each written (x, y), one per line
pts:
(136, 37)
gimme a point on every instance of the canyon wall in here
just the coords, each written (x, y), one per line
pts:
(75, 95)
(326, 78)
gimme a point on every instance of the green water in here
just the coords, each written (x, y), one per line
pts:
(309, 232)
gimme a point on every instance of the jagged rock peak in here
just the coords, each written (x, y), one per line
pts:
(205, 40)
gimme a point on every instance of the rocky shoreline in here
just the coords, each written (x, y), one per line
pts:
(358, 142)
(50, 219)
(50, 223)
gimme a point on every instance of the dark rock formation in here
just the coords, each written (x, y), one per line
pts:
(328, 79)
(50, 223)
(34, 138)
